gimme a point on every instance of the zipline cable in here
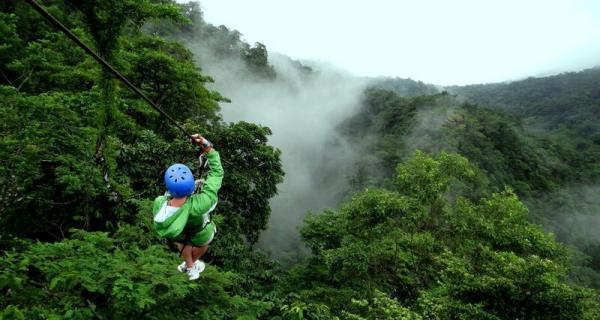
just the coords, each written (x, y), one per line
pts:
(103, 62)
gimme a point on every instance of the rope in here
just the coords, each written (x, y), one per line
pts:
(103, 62)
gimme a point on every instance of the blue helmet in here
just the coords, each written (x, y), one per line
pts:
(179, 180)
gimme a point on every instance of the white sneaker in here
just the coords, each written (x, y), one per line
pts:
(194, 272)
(182, 267)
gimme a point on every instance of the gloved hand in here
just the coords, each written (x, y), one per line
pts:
(203, 143)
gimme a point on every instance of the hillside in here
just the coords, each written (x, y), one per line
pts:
(563, 111)
(568, 100)
(426, 216)
(546, 159)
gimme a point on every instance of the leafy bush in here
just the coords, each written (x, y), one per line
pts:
(428, 254)
(92, 275)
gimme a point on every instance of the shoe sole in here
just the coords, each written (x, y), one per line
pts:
(203, 266)
(183, 268)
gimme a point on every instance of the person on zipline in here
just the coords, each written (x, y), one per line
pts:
(185, 218)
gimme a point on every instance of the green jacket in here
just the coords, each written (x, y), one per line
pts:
(189, 220)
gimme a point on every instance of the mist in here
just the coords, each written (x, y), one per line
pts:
(303, 110)
(572, 213)
(427, 131)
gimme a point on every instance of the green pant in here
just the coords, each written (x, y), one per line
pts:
(201, 238)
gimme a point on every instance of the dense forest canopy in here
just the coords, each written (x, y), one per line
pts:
(445, 212)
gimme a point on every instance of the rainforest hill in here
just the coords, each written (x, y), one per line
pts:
(443, 217)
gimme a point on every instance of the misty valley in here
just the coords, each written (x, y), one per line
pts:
(343, 196)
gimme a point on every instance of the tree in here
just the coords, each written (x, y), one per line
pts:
(60, 179)
(257, 61)
(424, 246)
(113, 278)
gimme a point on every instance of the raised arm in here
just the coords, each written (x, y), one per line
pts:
(203, 202)
(215, 176)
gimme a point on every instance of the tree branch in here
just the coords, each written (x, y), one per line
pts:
(6, 78)
(24, 80)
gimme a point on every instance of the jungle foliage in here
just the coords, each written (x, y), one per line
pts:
(560, 111)
(551, 169)
(442, 236)
(82, 157)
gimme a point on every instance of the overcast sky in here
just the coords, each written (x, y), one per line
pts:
(436, 41)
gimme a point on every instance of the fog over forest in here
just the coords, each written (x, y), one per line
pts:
(331, 193)
(303, 110)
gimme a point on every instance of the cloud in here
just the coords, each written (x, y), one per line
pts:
(442, 42)
(303, 110)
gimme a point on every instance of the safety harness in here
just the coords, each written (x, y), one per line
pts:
(202, 165)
